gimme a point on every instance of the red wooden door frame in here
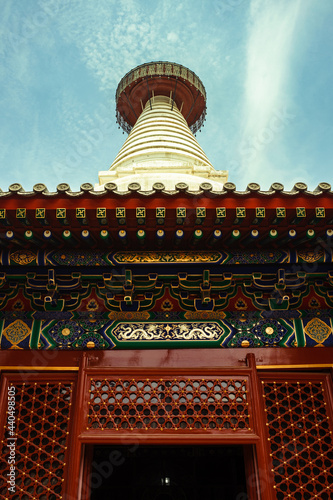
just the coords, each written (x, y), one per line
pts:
(257, 462)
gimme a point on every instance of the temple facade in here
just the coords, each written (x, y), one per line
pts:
(163, 335)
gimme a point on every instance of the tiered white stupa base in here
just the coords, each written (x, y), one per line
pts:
(161, 148)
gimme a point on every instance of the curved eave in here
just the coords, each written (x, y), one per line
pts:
(205, 211)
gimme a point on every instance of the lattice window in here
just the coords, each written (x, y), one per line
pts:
(169, 404)
(42, 419)
(300, 439)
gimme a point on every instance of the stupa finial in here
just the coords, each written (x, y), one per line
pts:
(161, 78)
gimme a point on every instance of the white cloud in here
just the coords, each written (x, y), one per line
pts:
(112, 38)
(172, 37)
(271, 32)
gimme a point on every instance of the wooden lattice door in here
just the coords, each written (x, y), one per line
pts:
(36, 441)
(298, 410)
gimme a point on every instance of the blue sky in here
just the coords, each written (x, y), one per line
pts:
(267, 66)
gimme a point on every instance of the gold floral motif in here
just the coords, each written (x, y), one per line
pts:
(240, 305)
(314, 304)
(23, 257)
(16, 332)
(92, 305)
(166, 305)
(317, 330)
(166, 257)
(204, 315)
(129, 315)
(311, 255)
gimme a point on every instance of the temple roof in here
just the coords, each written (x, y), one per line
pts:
(173, 219)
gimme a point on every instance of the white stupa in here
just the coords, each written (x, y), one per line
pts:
(161, 148)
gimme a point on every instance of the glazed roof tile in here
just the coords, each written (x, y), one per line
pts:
(134, 187)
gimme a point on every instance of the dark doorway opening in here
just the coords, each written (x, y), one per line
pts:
(168, 472)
